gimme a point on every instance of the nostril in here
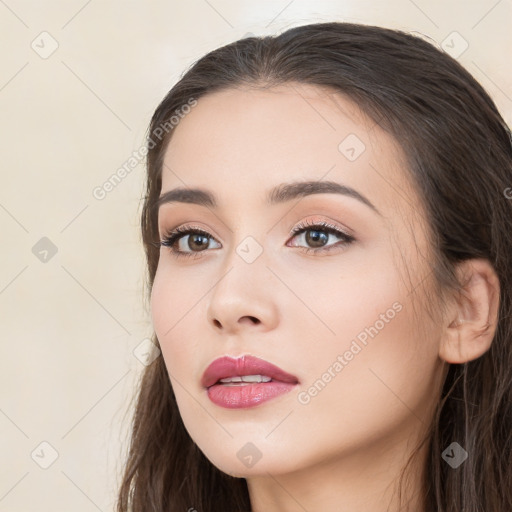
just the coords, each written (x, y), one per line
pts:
(253, 319)
(250, 319)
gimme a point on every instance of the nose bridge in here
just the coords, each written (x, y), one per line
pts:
(241, 292)
(246, 255)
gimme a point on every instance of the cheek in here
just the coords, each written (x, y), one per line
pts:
(173, 298)
(176, 307)
(375, 353)
(340, 300)
(384, 364)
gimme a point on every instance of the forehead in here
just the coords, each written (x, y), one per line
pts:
(241, 142)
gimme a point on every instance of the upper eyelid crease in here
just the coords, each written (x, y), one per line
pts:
(280, 194)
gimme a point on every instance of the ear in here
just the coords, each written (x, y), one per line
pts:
(472, 318)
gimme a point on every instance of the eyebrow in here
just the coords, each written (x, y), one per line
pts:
(279, 194)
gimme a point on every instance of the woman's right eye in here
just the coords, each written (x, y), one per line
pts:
(190, 241)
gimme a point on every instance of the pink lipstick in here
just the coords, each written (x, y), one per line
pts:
(245, 381)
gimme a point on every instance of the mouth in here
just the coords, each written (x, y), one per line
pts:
(245, 382)
(244, 371)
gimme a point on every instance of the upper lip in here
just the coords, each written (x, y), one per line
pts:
(227, 366)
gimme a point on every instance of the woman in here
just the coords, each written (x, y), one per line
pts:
(327, 229)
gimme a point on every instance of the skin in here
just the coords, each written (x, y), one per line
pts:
(344, 449)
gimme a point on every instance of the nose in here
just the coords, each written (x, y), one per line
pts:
(243, 299)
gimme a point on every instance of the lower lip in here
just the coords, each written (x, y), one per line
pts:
(249, 395)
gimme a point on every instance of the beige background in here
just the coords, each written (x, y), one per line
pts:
(73, 322)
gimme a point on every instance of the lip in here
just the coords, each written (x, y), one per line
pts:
(241, 396)
(227, 366)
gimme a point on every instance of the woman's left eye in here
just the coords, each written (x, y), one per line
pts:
(318, 235)
(193, 241)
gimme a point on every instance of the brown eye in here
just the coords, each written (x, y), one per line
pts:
(316, 237)
(190, 241)
(197, 242)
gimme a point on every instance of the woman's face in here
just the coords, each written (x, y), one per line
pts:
(344, 316)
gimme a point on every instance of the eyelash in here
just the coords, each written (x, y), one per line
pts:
(172, 236)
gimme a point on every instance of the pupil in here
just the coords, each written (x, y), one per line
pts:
(315, 236)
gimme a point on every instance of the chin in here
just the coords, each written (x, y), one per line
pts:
(248, 461)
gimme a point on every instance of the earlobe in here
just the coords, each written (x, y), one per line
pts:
(473, 316)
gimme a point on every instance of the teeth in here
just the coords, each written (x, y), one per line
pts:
(247, 378)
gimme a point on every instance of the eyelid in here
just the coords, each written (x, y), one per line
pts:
(183, 228)
(321, 222)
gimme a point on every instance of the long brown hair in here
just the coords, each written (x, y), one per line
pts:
(459, 156)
